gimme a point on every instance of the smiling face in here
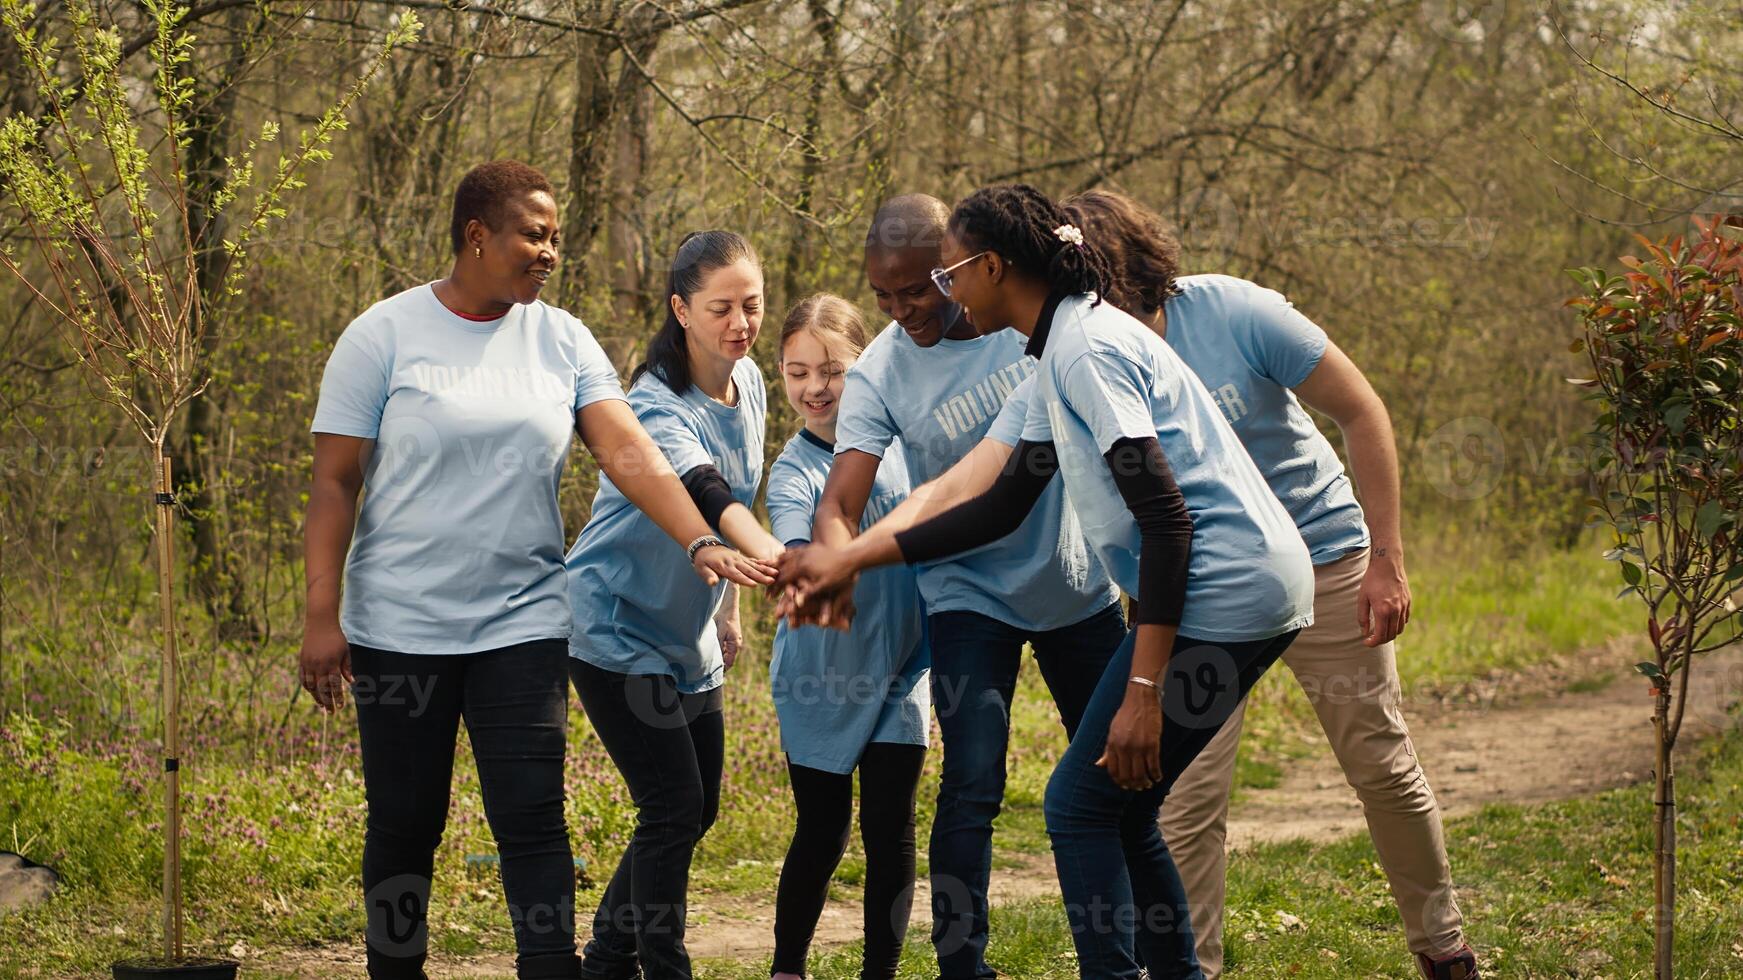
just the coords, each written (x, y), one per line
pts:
(814, 376)
(975, 285)
(901, 279)
(724, 315)
(519, 255)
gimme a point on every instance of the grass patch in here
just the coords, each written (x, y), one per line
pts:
(1557, 890)
(274, 837)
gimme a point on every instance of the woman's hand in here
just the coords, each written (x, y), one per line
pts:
(834, 610)
(814, 570)
(1133, 754)
(731, 635)
(717, 562)
(324, 665)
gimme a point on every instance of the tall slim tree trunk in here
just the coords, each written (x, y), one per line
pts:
(172, 810)
(626, 244)
(601, 93)
(1664, 836)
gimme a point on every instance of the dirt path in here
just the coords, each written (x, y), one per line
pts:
(1495, 740)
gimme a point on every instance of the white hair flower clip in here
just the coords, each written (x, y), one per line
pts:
(1069, 234)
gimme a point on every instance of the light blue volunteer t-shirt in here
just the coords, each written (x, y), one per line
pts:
(459, 543)
(1104, 377)
(1250, 345)
(940, 401)
(639, 606)
(837, 692)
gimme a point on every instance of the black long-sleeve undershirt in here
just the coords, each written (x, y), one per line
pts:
(1145, 482)
(988, 517)
(710, 492)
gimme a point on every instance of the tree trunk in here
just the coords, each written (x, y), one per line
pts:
(1664, 835)
(590, 130)
(601, 94)
(171, 707)
(626, 244)
(210, 134)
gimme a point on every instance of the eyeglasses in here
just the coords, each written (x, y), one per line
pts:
(942, 278)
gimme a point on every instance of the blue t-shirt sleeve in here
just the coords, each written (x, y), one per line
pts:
(353, 391)
(1007, 427)
(792, 502)
(864, 422)
(672, 432)
(1108, 391)
(1280, 342)
(1037, 425)
(595, 378)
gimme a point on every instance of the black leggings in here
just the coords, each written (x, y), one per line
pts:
(889, 775)
(409, 708)
(669, 748)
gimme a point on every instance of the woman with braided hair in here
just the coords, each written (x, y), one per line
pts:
(1177, 512)
(1262, 360)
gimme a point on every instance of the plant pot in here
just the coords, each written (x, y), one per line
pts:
(193, 968)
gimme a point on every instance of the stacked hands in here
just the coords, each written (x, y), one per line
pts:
(813, 586)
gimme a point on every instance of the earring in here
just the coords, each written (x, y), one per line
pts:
(477, 252)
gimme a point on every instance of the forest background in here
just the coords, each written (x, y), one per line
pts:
(1414, 175)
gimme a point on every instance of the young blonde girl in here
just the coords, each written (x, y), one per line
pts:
(846, 701)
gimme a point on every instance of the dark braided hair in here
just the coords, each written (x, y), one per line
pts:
(1017, 221)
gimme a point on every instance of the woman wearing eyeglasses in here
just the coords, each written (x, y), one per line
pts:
(930, 381)
(1262, 360)
(1178, 513)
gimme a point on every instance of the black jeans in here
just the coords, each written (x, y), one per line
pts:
(975, 660)
(669, 748)
(409, 708)
(889, 775)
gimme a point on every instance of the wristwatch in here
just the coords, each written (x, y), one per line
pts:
(705, 541)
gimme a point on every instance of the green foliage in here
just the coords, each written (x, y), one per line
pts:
(80, 786)
(1665, 342)
(126, 290)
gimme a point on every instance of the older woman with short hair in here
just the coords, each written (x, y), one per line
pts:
(454, 403)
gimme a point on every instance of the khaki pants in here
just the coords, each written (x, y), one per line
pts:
(1355, 691)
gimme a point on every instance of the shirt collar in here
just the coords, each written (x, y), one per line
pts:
(817, 440)
(1044, 323)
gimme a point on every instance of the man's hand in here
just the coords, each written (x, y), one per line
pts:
(834, 610)
(1383, 603)
(814, 570)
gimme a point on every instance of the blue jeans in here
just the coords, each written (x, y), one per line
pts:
(1123, 895)
(975, 660)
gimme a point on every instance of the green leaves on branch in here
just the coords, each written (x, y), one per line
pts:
(127, 291)
(1664, 343)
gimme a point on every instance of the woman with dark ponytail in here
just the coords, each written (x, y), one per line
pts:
(651, 647)
(1176, 511)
